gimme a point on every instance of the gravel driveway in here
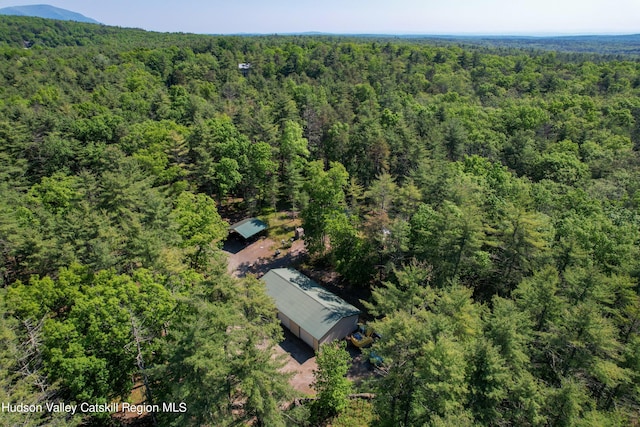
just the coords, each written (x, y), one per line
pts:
(258, 257)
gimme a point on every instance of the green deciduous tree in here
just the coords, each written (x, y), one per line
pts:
(199, 225)
(87, 347)
(22, 379)
(325, 190)
(330, 381)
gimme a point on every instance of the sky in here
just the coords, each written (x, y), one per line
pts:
(499, 17)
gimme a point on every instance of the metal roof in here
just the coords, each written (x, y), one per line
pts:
(248, 227)
(313, 308)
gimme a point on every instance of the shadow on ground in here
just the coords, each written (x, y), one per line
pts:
(233, 245)
(360, 369)
(295, 347)
(262, 265)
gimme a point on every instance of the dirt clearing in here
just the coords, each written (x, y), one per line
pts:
(259, 256)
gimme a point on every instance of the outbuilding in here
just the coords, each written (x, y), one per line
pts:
(247, 228)
(309, 311)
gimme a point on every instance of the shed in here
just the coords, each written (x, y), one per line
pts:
(309, 311)
(248, 228)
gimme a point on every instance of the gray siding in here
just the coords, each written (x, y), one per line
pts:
(306, 337)
(284, 320)
(341, 329)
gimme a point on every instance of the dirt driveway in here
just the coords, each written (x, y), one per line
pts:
(258, 257)
(299, 360)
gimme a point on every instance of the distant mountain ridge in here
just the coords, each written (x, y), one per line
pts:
(46, 11)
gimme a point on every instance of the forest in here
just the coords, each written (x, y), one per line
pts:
(485, 200)
(605, 47)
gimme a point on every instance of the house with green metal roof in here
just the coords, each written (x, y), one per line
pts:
(308, 310)
(248, 228)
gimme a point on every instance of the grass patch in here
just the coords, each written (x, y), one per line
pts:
(281, 227)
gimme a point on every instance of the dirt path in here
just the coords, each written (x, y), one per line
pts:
(257, 258)
(260, 256)
(299, 360)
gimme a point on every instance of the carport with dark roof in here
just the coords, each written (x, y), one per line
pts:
(247, 228)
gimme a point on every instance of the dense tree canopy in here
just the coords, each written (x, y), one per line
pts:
(485, 198)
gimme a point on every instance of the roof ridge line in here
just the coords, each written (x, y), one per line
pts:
(317, 286)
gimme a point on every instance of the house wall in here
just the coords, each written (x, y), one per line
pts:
(284, 320)
(341, 329)
(294, 327)
(306, 337)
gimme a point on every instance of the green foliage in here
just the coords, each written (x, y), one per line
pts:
(330, 382)
(485, 197)
(325, 189)
(21, 377)
(86, 346)
(357, 413)
(219, 356)
(412, 292)
(199, 225)
(426, 370)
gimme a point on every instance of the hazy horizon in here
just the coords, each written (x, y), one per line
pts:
(537, 18)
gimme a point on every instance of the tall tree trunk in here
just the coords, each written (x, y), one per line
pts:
(138, 337)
